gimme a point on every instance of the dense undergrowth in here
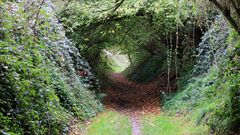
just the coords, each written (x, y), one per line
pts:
(44, 81)
(51, 57)
(147, 70)
(212, 98)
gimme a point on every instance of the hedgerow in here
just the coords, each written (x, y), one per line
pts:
(41, 88)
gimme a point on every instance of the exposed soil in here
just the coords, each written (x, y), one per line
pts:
(136, 130)
(135, 98)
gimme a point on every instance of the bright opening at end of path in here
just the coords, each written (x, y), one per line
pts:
(118, 61)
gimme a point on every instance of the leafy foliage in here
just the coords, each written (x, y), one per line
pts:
(40, 88)
(45, 82)
(148, 70)
(212, 46)
(139, 29)
(213, 98)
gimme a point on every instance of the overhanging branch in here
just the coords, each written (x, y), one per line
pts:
(235, 6)
(227, 14)
(115, 8)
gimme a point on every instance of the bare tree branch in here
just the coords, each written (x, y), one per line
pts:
(127, 33)
(115, 8)
(236, 8)
(227, 15)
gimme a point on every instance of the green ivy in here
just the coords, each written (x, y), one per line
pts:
(213, 98)
(40, 88)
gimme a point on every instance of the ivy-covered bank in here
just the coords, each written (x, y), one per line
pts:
(212, 95)
(44, 81)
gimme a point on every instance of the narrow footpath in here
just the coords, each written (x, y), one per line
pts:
(133, 99)
(135, 109)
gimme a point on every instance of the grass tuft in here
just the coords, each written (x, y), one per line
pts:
(167, 125)
(110, 123)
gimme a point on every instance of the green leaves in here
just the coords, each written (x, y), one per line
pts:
(217, 91)
(33, 51)
(212, 47)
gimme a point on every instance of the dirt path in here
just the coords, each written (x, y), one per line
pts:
(134, 108)
(136, 130)
(133, 99)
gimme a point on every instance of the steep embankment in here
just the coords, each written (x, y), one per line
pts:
(212, 97)
(41, 82)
